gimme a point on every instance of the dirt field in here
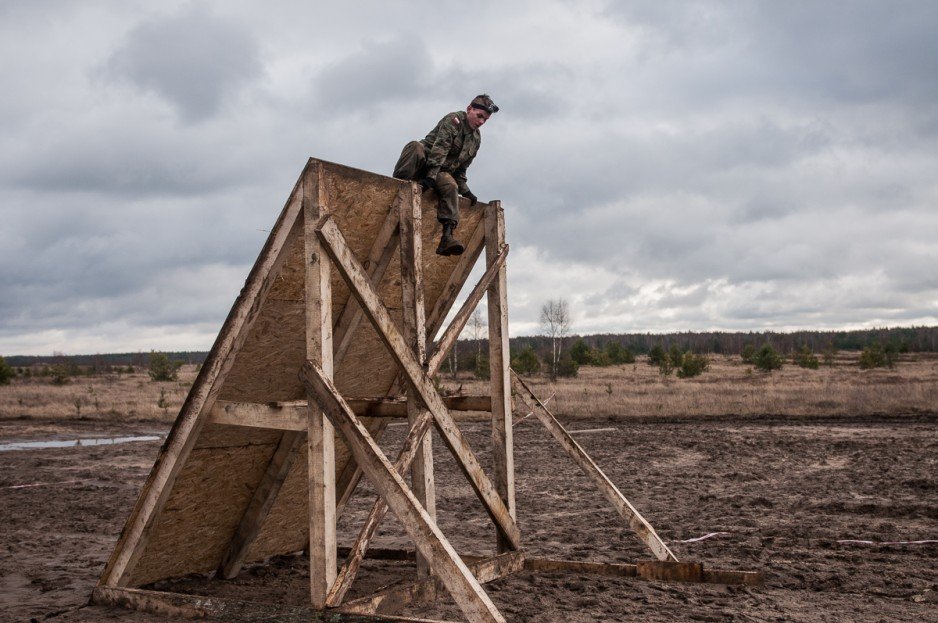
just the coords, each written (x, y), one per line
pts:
(784, 491)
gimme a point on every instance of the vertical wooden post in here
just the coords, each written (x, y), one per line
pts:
(499, 360)
(421, 471)
(321, 435)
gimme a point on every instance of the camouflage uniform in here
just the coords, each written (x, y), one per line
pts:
(443, 156)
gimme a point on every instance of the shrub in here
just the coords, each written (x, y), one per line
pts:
(804, 358)
(526, 362)
(161, 368)
(600, 358)
(618, 354)
(6, 372)
(766, 359)
(748, 353)
(567, 367)
(693, 365)
(875, 356)
(580, 353)
(656, 356)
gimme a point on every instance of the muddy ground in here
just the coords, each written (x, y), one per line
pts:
(784, 491)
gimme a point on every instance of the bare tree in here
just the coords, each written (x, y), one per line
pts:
(556, 321)
(477, 329)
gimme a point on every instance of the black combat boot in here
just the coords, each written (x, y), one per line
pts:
(448, 244)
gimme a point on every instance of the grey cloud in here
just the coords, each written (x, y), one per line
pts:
(380, 73)
(194, 59)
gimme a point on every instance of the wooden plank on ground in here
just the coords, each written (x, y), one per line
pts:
(639, 525)
(423, 531)
(177, 606)
(192, 416)
(359, 284)
(396, 597)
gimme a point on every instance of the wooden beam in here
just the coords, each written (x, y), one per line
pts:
(639, 525)
(503, 457)
(204, 392)
(423, 531)
(394, 598)
(452, 332)
(320, 438)
(353, 274)
(415, 333)
(648, 570)
(194, 607)
(292, 415)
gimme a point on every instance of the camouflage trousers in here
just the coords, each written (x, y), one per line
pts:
(412, 165)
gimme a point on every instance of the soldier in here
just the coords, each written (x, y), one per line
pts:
(440, 161)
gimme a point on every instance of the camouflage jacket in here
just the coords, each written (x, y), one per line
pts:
(451, 146)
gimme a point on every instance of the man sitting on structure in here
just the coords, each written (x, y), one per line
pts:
(440, 161)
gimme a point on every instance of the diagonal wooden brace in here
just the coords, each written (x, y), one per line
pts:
(429, 540)
(349, 569)
(642, 528)
(359, 284)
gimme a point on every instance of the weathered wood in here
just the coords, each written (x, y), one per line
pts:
(503, 457)
(422, 530)
(452, 332)
(292, 415)
(320, 437)
(260, 504)
(415, 332)
(192, 416)
(358, 282)
(649, 570)
(194, 607)
(376, 264)
(639, 525)
(394, 598)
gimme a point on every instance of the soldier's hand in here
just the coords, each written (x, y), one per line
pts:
(427, 183)
(472, 198)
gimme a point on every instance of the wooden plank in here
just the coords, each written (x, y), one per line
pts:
(422, 530)
(452, 332)
(320, 437)
(639, 525)
(415, 333)
(648, 570)
(260, 504)
(395, 597)
(185, 431)
(359, 284)
(503, 457)
(376, 265)
(194, 607)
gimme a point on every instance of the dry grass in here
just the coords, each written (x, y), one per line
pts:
(730, 387)
(129, 397)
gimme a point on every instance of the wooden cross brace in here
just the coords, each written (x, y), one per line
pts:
(386, 477)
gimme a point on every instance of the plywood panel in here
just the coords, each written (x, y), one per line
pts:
(216, 484)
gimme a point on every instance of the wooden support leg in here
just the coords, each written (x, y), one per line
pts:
(320, 434)
(459, 581)
(503, 457)
(642, 528)
(415, 332)
(359, 284)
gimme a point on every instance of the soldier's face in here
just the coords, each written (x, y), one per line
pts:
(476, 117)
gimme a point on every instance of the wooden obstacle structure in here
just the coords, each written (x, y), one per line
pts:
(338, 318)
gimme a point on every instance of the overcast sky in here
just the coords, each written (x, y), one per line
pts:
(664, 166)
